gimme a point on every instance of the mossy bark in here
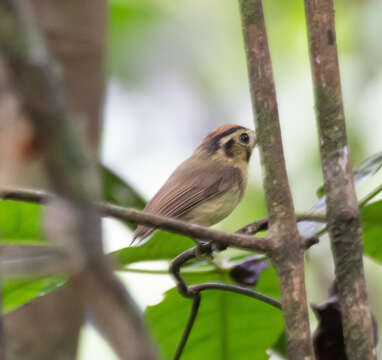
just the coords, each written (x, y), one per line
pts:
(342, 206)
(287, 254)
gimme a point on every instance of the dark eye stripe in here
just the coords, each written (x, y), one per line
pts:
(213, 144)
(228, 147)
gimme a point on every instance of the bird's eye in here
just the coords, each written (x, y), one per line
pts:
(244, 138)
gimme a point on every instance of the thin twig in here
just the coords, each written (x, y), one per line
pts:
(197, 288)
(190, 323)
(239, 240)
(189, 270)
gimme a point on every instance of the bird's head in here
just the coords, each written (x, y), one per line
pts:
(229, 143)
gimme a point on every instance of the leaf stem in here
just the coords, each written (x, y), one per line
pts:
(189, 326)
(370, 196)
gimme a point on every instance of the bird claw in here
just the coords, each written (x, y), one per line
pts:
(204, 249)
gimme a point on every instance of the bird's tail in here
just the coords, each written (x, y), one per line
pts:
(141, 233)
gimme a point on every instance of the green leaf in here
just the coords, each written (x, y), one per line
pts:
(280, 346)
(119, 192)
(368, 168)
(372, 229)
(228, 326)
(20, 222)
(17, 292)
(161, 246)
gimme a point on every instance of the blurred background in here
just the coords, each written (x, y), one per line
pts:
(177, 70)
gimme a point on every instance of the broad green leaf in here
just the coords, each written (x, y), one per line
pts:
(17, 292)
(228, 326)
(119, 192)
(20, 222)
(161, 246)
(372, 230)
(280, 346)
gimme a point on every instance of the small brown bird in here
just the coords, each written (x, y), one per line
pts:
(207, 186)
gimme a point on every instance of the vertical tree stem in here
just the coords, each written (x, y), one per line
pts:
(72, 171)
(343, 212)
(288, 254)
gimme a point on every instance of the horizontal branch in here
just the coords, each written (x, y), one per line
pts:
(258, 244)
(240, 239)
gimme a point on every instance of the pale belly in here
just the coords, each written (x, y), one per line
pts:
(214, 210)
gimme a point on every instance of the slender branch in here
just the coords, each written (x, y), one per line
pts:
(211, 270)
(197, 288)
(162, 222)
(193, 291)
(342, 206)
(287, 254)
(193, 230)
(178, 262)
(190, 323)
(27, 195)
(240, 239)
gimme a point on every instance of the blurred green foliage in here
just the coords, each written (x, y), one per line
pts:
(161, 246)
(131, 24)
(17, 292)
(372, 230)
(20, 222)
(203, 39)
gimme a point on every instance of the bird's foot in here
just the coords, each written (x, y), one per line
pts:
(204, 249)
(208, 248)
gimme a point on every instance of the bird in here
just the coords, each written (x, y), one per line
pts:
(207, 186)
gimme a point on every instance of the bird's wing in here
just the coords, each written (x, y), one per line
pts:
(189, 186)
